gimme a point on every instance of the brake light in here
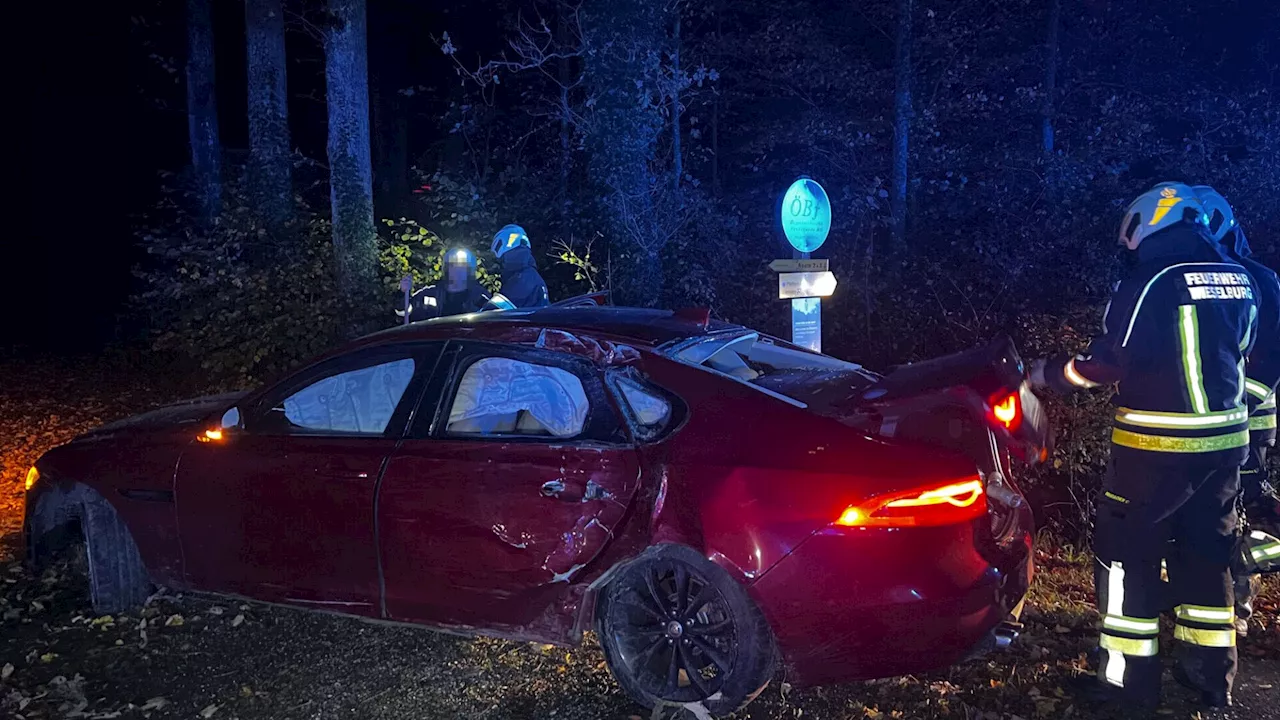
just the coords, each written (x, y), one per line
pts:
(1006, 410)
(946, 505)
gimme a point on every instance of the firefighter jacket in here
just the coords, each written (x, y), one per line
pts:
(521, 283)
(1262, 369)
(1176, 335)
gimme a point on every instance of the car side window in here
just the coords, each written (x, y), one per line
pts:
(350, 399)
(647, 408)
(499, 396)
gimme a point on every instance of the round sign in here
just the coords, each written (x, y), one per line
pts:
(806, 215)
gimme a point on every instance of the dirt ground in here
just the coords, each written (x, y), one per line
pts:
(206, 657)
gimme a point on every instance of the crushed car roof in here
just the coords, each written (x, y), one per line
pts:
(639, 325)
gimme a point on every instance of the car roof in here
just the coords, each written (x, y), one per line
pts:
(642, 326)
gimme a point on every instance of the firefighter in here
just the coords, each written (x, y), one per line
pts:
(1175, 337)
(1260, 550)
(521, 283)
(458, 293)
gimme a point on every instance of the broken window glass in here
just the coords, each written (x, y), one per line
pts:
(501, 396)
(648, 409)
(357, 401)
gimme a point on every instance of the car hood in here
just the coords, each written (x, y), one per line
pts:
(182, 413)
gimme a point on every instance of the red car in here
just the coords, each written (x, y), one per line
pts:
(711, 501)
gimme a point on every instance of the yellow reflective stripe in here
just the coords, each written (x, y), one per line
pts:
(1205, 638)
(1266, 552)
(1145, 647)
(1074, 377)
(1132, 625)
(1189, 333)
(1256, 388)
(1162, 443)
(1262, 422)
(1154, 419)
(1201, 613)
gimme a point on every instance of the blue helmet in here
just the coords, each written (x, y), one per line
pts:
(1162, 206)
(509, 237)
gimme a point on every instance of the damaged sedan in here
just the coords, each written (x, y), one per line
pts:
(715, 504)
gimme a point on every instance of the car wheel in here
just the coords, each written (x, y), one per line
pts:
(677, 629)
(118, 579)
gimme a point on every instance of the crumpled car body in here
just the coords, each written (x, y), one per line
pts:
(485, 474)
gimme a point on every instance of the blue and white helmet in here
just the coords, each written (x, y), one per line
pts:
(1222, 220)
(509, 237)
(1162, 206)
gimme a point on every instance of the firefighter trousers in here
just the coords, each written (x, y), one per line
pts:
(1260, 506)
(1182, 509)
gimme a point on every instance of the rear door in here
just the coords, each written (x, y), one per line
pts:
(282, 510)
(515, 475)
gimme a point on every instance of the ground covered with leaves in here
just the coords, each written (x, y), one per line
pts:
(189, 656)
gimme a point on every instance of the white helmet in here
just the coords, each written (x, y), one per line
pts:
(1221, 219)
(1164, 205)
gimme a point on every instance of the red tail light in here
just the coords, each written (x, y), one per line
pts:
(1006, 410)
(952, 503)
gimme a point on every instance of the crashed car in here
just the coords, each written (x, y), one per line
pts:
(713, 502)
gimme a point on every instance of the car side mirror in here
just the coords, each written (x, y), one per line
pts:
(230, 419)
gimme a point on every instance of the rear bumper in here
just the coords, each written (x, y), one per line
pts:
(853, 604)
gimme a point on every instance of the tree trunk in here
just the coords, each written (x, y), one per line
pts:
(350, 171)
(270, 157)
(901, 125)
(564, 75)
(677, 161)
(202, 111)
(1050, 78)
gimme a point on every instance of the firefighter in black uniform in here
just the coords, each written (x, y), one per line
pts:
(521, 282)
(459, 291)
(1176, 333)
(1260, 549)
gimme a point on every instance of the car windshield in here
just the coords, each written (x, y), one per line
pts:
(774, 366)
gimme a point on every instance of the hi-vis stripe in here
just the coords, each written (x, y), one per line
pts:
(1205, 638)
(1115, 608)
(1074, 377)
(1181, 421)
(1265, 552)
(1260, 391)
(1137, 626)
(1189, 330)
(1248, 332)
(1200, 613)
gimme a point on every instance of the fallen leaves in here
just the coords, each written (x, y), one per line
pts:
(6, 671)
(237, 620)
(209, 711)
(175, 620)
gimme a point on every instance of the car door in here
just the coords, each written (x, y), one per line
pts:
(281, 509)
(507, 487)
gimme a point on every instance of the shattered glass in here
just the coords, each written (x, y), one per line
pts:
(359, 401)
(648, 409)
(508, 397)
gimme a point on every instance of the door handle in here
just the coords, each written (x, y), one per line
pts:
(564, 490)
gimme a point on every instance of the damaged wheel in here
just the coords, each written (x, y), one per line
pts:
(678, 629)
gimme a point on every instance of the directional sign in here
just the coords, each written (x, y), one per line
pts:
(805, 285)
(806, 215)
(799, 265)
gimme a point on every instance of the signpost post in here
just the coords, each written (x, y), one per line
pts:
(806, 220)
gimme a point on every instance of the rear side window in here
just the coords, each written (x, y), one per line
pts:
(504, 396)
(359, 401)
(648, 409)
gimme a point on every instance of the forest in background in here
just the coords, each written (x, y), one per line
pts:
(977, 154)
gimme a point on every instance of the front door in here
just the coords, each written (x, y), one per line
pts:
(282, 510)
(504, 492)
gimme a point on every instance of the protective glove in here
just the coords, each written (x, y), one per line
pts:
(1035, 377)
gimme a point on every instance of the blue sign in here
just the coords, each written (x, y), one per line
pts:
(806, 323)
(806, 215)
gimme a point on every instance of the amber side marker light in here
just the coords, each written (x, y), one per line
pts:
(33, 476)
(212, 435)
(946, 505)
